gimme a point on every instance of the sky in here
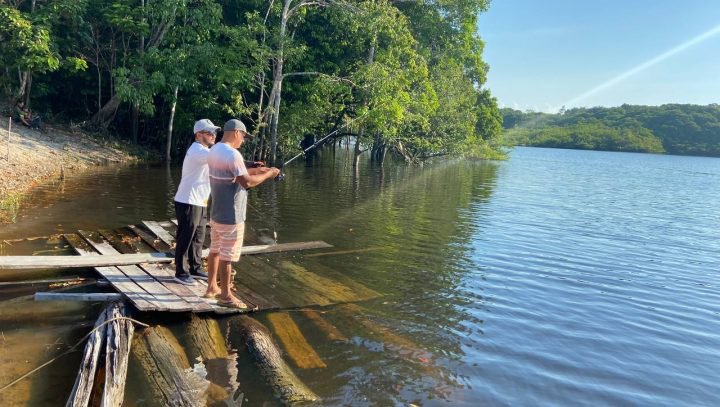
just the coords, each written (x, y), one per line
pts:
(545, 54)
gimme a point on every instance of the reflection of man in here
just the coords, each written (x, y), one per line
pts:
(191, 202)
(229, 180)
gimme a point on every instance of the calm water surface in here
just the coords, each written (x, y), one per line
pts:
(558, 277)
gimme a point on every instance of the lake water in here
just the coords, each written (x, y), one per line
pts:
(559, 277)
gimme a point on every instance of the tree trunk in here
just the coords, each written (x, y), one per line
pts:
(277, 84)
(135, 118)
(168, 145)
(106, 114)
(28, 86)
(358, 151)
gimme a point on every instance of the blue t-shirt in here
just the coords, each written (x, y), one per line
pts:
(229, 198)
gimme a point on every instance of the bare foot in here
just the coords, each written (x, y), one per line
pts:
(212, 293)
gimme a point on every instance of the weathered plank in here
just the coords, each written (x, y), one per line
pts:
(160, 232)
(161, 272)
(154, 242)
(62, 262)
(281, 247)
(330, 331)
(82, 390)
(49, 281)
(91, 297)
(295, 344)
(117, 353)
(139, 297)
(163, 299)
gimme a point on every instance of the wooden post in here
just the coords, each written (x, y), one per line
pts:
(8, 139)
(117, 352)
(81, 392)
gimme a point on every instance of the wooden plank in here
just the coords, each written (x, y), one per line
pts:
(295, 344)
(167, 238)
(139, 297)
(48, 281)
(82, 390)
(58, 262)
(94, 297)
(279, 248)
(165, 274)
(160, 232)
(154, 242)
(330, 331)
(163, 299)
(274, 284)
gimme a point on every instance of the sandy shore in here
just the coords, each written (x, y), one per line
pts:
(30, 157)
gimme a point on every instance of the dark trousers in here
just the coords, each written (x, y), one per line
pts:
(192, 221)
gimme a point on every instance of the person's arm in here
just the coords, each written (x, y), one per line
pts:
(250, 180)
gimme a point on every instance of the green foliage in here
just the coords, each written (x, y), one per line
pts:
(411, 73)
(24, 45)
(672, 128)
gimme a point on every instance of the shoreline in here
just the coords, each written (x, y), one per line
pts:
(31, 157)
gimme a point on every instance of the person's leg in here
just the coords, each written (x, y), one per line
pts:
(183, 237)
(199, 223)
(230, 253)
(213, 262)
(225, 269)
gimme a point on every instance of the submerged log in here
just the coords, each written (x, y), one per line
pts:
(205, 341)
(170, 380)
(330, 331)
(83, 388)
(294, 343)
(286, 385)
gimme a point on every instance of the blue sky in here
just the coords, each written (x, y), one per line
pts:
(544, 54)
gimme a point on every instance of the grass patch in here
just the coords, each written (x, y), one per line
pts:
(9, 207)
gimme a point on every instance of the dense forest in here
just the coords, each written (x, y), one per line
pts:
(400, 77)
(672, 128)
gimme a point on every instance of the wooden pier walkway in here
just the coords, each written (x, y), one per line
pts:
(149, 286)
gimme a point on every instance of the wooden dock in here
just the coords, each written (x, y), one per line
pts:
(147, 282)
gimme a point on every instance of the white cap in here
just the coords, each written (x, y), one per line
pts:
(204, 125)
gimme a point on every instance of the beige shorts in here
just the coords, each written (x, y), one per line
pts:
(226, 240)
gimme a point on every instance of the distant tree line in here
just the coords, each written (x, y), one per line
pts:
(672, 128)
(410, 72)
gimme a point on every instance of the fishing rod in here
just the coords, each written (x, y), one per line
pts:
(315, 145)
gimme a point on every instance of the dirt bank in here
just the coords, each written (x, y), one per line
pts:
(29, 157)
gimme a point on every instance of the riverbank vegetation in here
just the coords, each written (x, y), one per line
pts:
(673, 128)
(410, 74)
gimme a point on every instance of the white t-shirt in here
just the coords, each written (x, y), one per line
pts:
(194, 186)
(229, 197)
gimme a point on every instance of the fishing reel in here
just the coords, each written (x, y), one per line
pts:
(280, 176)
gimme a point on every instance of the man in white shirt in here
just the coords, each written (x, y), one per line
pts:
(191, 202)
(229, 180)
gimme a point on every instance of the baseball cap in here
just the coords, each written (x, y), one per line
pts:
(235, 124)
(204, 125)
